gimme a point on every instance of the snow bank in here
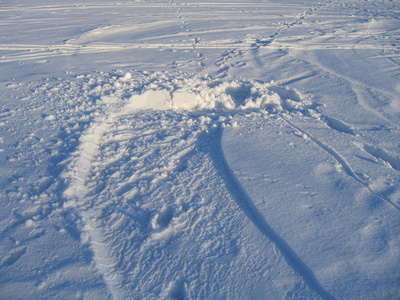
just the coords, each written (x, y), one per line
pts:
(179, 91)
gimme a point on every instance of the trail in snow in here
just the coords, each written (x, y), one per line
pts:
(76, 194)
(202, 97)
(205, 105)
(349, 171)
(179, 27)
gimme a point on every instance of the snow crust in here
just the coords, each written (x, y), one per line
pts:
(200, 150)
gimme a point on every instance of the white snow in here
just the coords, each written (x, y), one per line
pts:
(200, 150)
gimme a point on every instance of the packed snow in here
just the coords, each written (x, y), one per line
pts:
(157, 149)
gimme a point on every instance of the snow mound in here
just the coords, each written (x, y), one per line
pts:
(183, 92)
(204, 93)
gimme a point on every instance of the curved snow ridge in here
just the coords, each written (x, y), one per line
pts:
(179, 108)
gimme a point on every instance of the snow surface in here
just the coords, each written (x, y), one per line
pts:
(200, 149)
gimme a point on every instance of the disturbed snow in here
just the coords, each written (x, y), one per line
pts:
(271, 173)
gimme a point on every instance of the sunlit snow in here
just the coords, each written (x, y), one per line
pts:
(200, 150)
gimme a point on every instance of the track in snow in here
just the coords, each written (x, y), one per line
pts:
(134, 150)
(203, 106)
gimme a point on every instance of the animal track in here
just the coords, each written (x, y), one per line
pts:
(14, 255)
(384, 155)
(165, 216)
(338, 125)
(179, 290)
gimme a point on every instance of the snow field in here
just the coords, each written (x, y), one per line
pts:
(210, 150)
(238, 99)
(327, 224)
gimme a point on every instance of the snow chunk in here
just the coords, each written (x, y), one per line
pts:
(185, 100)
(109, 99)
(127, 77)
(50, 118)
(157, 100)
(180, 91)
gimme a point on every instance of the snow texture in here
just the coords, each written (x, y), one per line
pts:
(200, 150)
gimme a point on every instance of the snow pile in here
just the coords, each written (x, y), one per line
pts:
(178, 91)
(197, 93)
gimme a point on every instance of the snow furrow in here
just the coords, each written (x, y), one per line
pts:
(358, 87)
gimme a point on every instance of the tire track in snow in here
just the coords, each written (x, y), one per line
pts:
(77, 198)
(77, 195)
